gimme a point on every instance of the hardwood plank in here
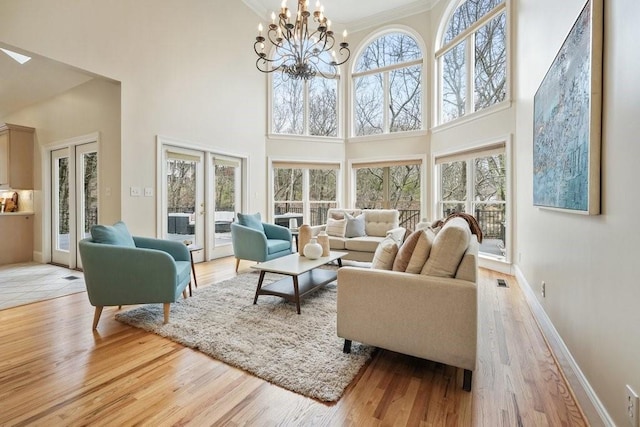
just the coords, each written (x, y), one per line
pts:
(55, 370)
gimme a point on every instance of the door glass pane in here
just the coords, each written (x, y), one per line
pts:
(404, 192)
(453, 187)
(322, 194)
(490, 182)
(90, 192)
(287, 191)
(181, 200)
(369, 188)
(226, 189)
(62, 242)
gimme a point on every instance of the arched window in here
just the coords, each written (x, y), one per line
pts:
(472, 59)
(304, 107)
(387, 86)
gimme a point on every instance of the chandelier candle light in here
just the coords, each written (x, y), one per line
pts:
(299, 53)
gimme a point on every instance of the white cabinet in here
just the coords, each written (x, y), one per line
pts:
(16, 157)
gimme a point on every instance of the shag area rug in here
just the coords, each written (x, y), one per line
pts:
(299, 352)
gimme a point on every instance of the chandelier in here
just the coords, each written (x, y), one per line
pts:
(299, 51)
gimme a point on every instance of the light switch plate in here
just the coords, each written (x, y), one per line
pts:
(135, 192)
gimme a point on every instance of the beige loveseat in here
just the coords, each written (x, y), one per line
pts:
(417, 313)
(378, 224)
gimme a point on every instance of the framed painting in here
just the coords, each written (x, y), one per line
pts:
(567, 121)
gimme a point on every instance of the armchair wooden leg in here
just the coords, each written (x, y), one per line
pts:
(237, 264)
(167, 307)
(466, 384)
(184, 293)
(96, 316)
(347, 346)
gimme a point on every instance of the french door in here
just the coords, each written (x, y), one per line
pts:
(74, 200)
(201, 193)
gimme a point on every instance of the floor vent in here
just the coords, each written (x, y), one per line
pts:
(502, 283)
(71, 277)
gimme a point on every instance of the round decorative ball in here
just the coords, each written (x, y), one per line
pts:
(313, 249)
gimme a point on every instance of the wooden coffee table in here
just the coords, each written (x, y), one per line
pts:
(303, 273)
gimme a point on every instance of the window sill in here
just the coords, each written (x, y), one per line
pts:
(504, 105)
(388, 136)
(305, 138)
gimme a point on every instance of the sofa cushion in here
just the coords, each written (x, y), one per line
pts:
(336, 213)
(336, 227)
(251, 220)
(379, 221)
(355, 226)
(448, 248)
(183, 270)
(337, 243)
(385, 254)
(277, 245)
(363, 244)
(116, 234)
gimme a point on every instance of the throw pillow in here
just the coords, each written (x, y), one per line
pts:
(421, 252)
(251, 220)
(385, 254)
(336, 227)
(355, 226)
(449, 247)
(405, 251)
(116, 234)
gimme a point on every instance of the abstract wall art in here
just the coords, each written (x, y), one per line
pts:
(567, 121)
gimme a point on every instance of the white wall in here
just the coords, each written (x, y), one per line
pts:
(88, 108)
(587, 262)
(186, 72)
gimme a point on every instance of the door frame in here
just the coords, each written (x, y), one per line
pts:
(209, 151)
(45, 218)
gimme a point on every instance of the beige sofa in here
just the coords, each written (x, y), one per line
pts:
(378, 223)
(422, 315)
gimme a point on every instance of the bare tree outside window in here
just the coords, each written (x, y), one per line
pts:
(323, 112)
(287, 107)
(397, 90)
(488, 66)
(453, 187)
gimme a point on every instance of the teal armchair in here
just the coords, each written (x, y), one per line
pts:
(258, 241)
(133, 270)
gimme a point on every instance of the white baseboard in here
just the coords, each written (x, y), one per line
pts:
(38, 257)
(591, 406)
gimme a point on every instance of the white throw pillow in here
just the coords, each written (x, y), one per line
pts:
(336, 227)
(385, 254)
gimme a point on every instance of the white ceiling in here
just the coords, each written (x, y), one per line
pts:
(354, 14)
(34, 81)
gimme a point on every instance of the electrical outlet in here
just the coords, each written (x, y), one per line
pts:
(148, 192)
(632, 406)
(543, 289)
(135, 192)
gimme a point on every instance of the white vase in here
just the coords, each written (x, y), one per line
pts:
(313, 249)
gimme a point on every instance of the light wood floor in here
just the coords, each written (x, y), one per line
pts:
(55, 371)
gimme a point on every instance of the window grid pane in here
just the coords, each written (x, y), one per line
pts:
(466, 14)
(490, 63)
(454, 82)
(323, 107)
(369, 92)
(287, 109)
(405, 99)
(369, 188)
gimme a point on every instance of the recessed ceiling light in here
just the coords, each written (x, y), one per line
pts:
(17, 56)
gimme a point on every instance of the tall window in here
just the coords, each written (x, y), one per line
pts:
(387, 80)
(304, 107)
(309, 189)
(393, 185)
(476, 183)
(472, 59)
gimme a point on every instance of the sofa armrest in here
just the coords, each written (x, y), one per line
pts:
(397, 234)
(275, 231)
(176, 249)
(429, 317)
